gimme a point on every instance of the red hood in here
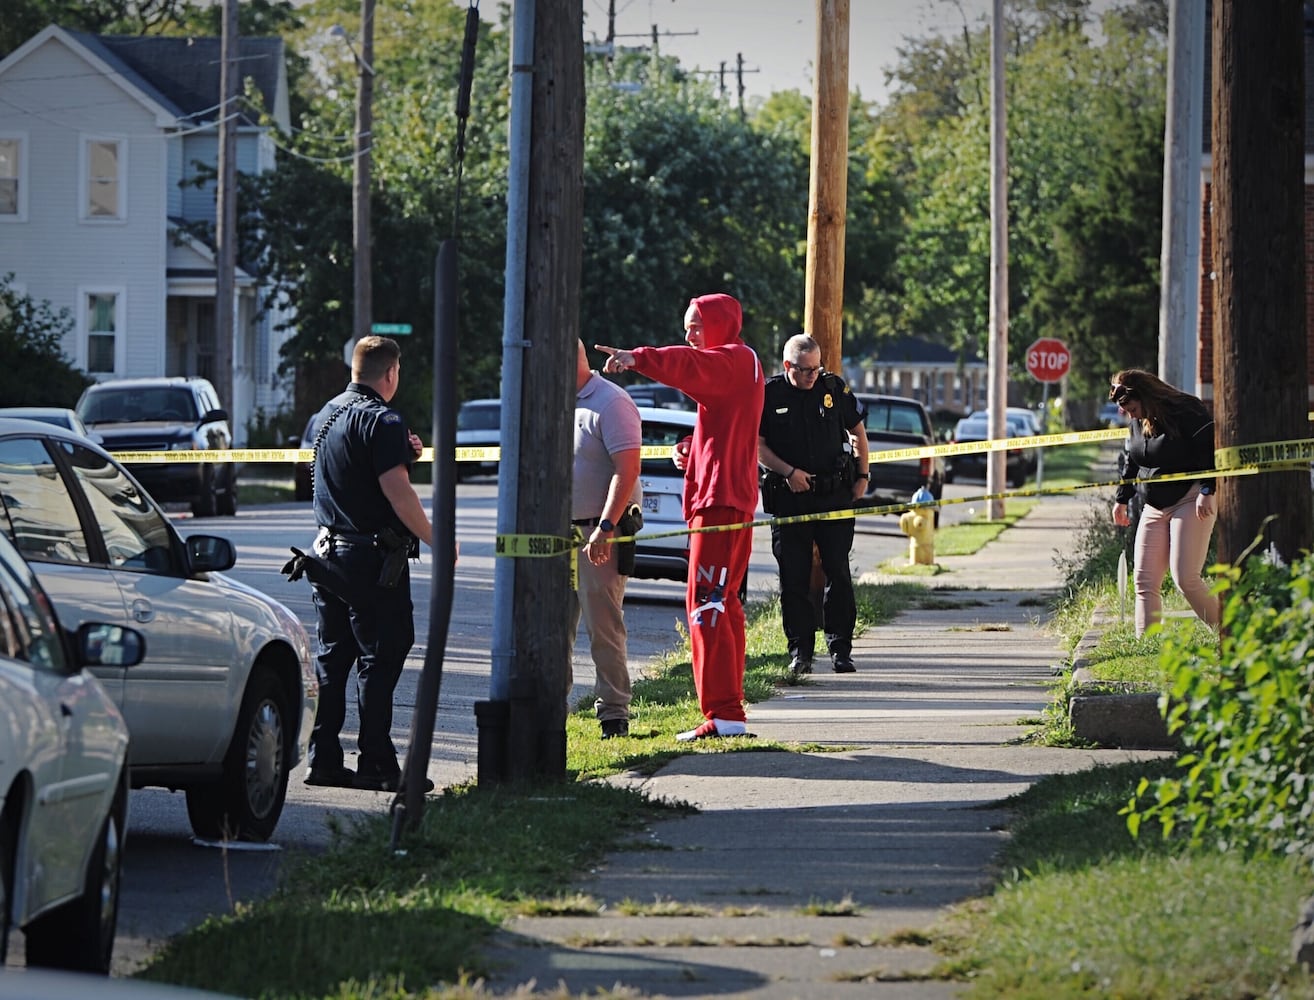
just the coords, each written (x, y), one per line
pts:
(722, 319)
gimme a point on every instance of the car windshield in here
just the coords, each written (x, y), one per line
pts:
(657, 434)
(481, 417)
(980, 428)
(128, 405)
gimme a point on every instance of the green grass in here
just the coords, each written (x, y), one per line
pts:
(359, 923)
(968, 537)
(263, 492)
(1083, 909)
(664, 701)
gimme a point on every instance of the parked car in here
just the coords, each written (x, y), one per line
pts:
(478, 425)
(1111, 415)
(898, 422)
(1019, 462)
(303, 483)
(60, 416)
(663, 498)
(226, 689)
(167, 414)
(659, 396)
(1028, 417)
(63, 776)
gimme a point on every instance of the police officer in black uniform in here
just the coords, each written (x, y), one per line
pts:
(370, 521)
(811, 423)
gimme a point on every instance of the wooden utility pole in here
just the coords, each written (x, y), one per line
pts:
(554, 255)
(996, 466)
(360, 183)
(1261, 363)
(225, 221)
(823, 304)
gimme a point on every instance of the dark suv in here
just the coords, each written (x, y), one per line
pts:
(167, 414)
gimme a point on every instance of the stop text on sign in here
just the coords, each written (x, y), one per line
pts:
(1048, 360)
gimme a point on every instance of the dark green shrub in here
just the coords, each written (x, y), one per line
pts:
(1244, 707)
(1093, 559)
(36, 371)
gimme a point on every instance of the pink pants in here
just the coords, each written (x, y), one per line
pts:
(1173, 540)
(718, 561)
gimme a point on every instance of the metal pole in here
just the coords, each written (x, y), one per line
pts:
(408, 806)
(513, 339)
(226, 211)
(1183, 143)
(996, 469)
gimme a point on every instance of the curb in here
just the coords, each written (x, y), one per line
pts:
(1109, 718)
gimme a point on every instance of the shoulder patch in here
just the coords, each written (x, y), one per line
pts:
(391, 417)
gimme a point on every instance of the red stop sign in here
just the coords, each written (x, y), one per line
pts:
(1048, 360)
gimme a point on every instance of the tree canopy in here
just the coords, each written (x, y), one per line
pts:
(683, 196)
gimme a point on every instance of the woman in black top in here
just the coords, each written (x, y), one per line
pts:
(1170, 432)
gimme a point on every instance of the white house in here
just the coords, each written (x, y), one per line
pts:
(98, 136)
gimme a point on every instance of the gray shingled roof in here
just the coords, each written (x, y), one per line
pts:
(183, 73)
(916, 351)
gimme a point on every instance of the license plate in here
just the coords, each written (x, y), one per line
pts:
(652, 504)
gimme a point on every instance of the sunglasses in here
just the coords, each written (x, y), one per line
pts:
(804, 369)
(1121, 393)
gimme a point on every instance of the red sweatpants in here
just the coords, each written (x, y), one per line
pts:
(718, 562)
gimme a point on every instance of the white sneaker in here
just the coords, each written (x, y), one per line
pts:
(712, 728)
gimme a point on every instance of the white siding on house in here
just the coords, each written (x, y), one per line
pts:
(57, 99)
(198, 202)
(173, 195)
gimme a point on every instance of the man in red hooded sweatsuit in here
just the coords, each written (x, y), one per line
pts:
(723, 375)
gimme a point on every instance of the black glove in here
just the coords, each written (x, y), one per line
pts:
(295, 568)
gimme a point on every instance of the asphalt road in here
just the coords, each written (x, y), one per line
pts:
(172, 883)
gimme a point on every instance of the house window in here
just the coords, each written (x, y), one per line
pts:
(101, 328)
(13, 191)
(103, 172)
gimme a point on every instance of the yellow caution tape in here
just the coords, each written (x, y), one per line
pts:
(1267, 452)
(532, 546)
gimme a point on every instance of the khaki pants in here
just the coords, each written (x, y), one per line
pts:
(599, 602)
(1176, 541)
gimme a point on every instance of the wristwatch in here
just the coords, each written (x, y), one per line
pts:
(606, 525)
(862, 475)
(1206, 491)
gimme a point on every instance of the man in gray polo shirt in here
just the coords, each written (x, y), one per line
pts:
(608, 446)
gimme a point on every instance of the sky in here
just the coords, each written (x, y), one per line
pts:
(778, 37)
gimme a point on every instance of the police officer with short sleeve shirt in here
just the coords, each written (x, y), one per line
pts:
(366, 509)
(811, 466)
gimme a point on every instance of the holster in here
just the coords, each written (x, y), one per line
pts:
(630, 523)
(773, 486)
(396, 547)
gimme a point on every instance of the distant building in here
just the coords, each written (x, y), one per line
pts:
(100, 141)
(919, 369)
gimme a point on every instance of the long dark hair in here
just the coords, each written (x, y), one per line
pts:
(1162, 404)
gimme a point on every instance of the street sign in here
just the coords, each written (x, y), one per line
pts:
(1048, 360)
(390, 329)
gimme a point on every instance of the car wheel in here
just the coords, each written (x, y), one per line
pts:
(246, 802)
(207, 503)
(226, 502)
(8, 844)
(1016, 482)
(80, 934)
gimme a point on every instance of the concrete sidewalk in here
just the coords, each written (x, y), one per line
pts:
(895, 822)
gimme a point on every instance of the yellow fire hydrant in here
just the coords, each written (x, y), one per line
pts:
(919, 526)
